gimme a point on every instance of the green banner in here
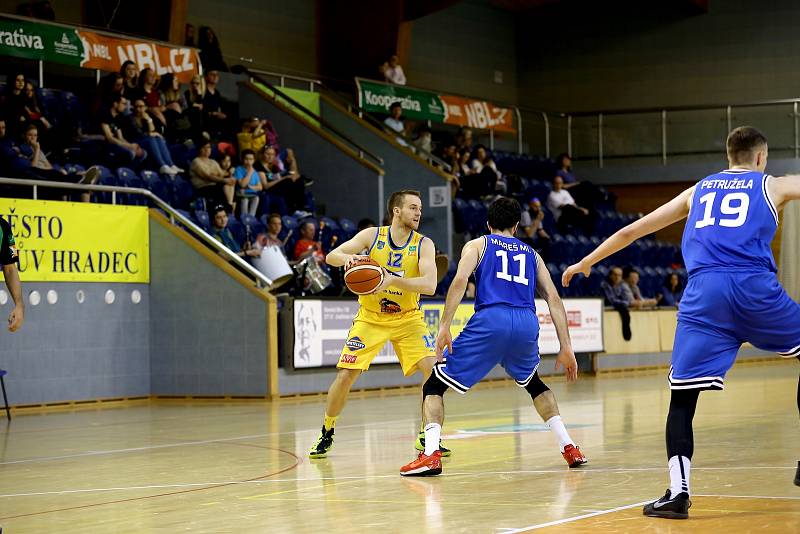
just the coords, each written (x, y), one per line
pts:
(417, 104)
(36, 41)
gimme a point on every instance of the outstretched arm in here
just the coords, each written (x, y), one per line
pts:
(671, 212)
(470, 255)
(546, 290)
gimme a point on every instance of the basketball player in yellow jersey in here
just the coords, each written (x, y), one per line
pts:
(391, 313)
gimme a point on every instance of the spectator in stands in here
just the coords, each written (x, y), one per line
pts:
(148, 91)
(188, 35)
(307, 245)
(633, 293)
(209, 180)
(174, 105)
(482, 178)
(41, 169)
(423, 144)
(393, 72)
(250, 183)
(463, 164)
(109, 87)
(532, 231)
(274, 226)
(32, 110)
(672, 291)
(130, 76)
(214, 117)
(617, 297)
(253, 135)
(564, 164)
(194, 104)
(221, 232)
(142, 130)
(14, 102)
(464, 139)
(210, 51)
(280, 181)
(395, 122)
(585, 193)
(226, 164)
(565, 210)
(111, 122)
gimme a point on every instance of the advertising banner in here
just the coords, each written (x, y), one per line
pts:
(108, 53)
(92, 50)
(33, 40)
(79, 242)
(477, 114)
(321, 328)
(419, 104)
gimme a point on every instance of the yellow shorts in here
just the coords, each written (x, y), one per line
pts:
(410, 337)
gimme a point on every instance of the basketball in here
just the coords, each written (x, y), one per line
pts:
(363, 276)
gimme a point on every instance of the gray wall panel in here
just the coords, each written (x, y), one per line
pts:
(199, 343)
(69, 351)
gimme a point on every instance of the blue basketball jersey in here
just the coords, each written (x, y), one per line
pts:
(731, 223)
(506, 274)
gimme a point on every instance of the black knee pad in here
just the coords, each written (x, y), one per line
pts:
(433, 386)
(536, 387)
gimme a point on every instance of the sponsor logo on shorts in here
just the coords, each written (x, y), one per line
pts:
(348, 358)
(354, 343)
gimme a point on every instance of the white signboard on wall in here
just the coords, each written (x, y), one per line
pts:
(321, 328)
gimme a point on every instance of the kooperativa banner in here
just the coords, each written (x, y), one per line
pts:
(79, 242)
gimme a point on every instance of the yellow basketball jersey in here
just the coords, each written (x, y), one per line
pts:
(400, 259)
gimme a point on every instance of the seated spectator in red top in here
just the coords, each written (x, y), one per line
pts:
(307, 246)
(148, 91)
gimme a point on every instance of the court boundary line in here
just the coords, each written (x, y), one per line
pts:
(573, 518)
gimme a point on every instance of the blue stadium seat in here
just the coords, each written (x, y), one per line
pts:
(182, 192)
(203, 220)
(348, 227)
(159, 188)
(237, 229)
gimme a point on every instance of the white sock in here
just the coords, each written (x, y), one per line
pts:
(679, 467)
(556, 425)
(432, 433)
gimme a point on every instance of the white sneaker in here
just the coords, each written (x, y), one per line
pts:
(166, 169)
(177, 169)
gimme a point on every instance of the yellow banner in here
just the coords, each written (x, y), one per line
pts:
(79, 242)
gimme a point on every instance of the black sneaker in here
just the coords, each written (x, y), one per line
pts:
(797, 475)
(669, 507)
(307, 182)
(323, 444)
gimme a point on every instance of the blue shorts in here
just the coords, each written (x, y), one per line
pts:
(495, 335)
(720, 311)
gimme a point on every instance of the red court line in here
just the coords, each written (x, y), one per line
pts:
(297, 462)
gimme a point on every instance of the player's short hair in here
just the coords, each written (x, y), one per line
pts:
(743, 142)
(396, 200)
(504, 213)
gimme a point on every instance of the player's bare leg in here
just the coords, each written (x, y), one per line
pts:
(797, 474)
(426, 367)
(335, 401)
(429, 461)
(546, 406)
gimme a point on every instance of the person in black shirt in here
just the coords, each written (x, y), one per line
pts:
(113, 123)
(9, 258)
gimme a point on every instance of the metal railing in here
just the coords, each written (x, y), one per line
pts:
(259, 279)
(669, 132)
(361, 150)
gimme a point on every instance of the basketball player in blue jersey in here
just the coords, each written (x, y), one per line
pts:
(733, 295)
(504, 330)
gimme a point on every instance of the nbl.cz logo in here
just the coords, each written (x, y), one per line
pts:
(354, 343)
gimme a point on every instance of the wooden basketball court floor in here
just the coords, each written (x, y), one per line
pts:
(169, 466)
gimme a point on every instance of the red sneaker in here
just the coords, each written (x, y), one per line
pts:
(423, 466)
(573, 455)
